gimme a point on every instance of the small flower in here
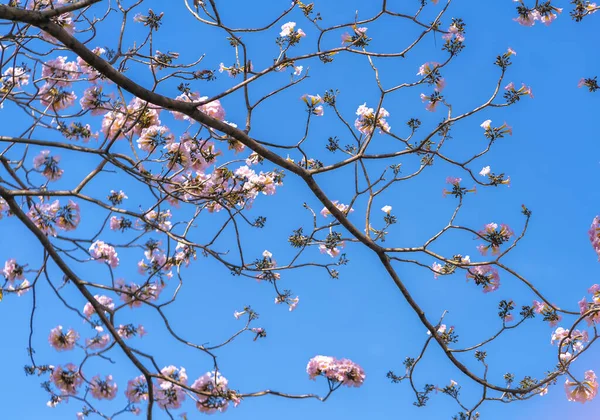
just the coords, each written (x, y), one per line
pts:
(386, 209)
(485, 171)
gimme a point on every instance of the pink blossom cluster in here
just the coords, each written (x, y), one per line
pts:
(61, 340)
(121, 121)
(102, 252)
(92, 74)
(137, 389)
(289, 31)
(103, 389)
(105, 301)
(156, 261)
(99, 341)
(14, 77)
(430, 73)
(128, 331)
(344, 371)
(166, 393)
(213, 109)
(12, 272)
(454, 34)
(66, 378)
(367, 121)
(134, 295)
(291, 302)
(594, 234)
(190, 153)
(547, 312)
(530, 16)
(495, 237)
(48, 165)
(344, 208)
(59, 75)
(593, 307)
(582, 391)
(566, 340)
(522, 91)
(220, 394)
(154, 136)
(359, 34)
(486, 276)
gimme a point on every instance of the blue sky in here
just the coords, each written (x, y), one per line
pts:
(552, 159)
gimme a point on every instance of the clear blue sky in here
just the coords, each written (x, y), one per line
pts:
(552, 159)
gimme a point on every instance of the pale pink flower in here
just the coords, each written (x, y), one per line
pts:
(216, 385)
(344, 371)
(137, 390)
(167, 394)
(15, 77)
(98, 342)
(56, 98)
(341, 207)
(48, 165)
(485, 171)
(105, 301)
(486, 125)
(486, 276)
(386, 209)
(367, 121)
(529, 19)
(13, 271)
(583, 391)
(59, 72)
(103, 389)
(62, 341)
(102, 252)
(66, 378)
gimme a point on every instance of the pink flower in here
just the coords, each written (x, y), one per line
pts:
(67, 217)
(103, 389)
(103, 252)
(289, 30)
(59, 72)
(56, 98)
(367, 121)
(341, 207)
(62, 341)
(137, 389)
(594, 234)
(167, 394)
(98, 342)
(91, 72)
(344, 371)
(105, 301)
(583, 391)
(129, 330)
(486, 276)
(13, 271)
(495, 237)
(67, 379)
(14, 77)
(437, 270)
(547, 312)
(48, 165)
(529, 18)
(216, 385)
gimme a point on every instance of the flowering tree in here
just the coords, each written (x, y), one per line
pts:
(120, 158)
